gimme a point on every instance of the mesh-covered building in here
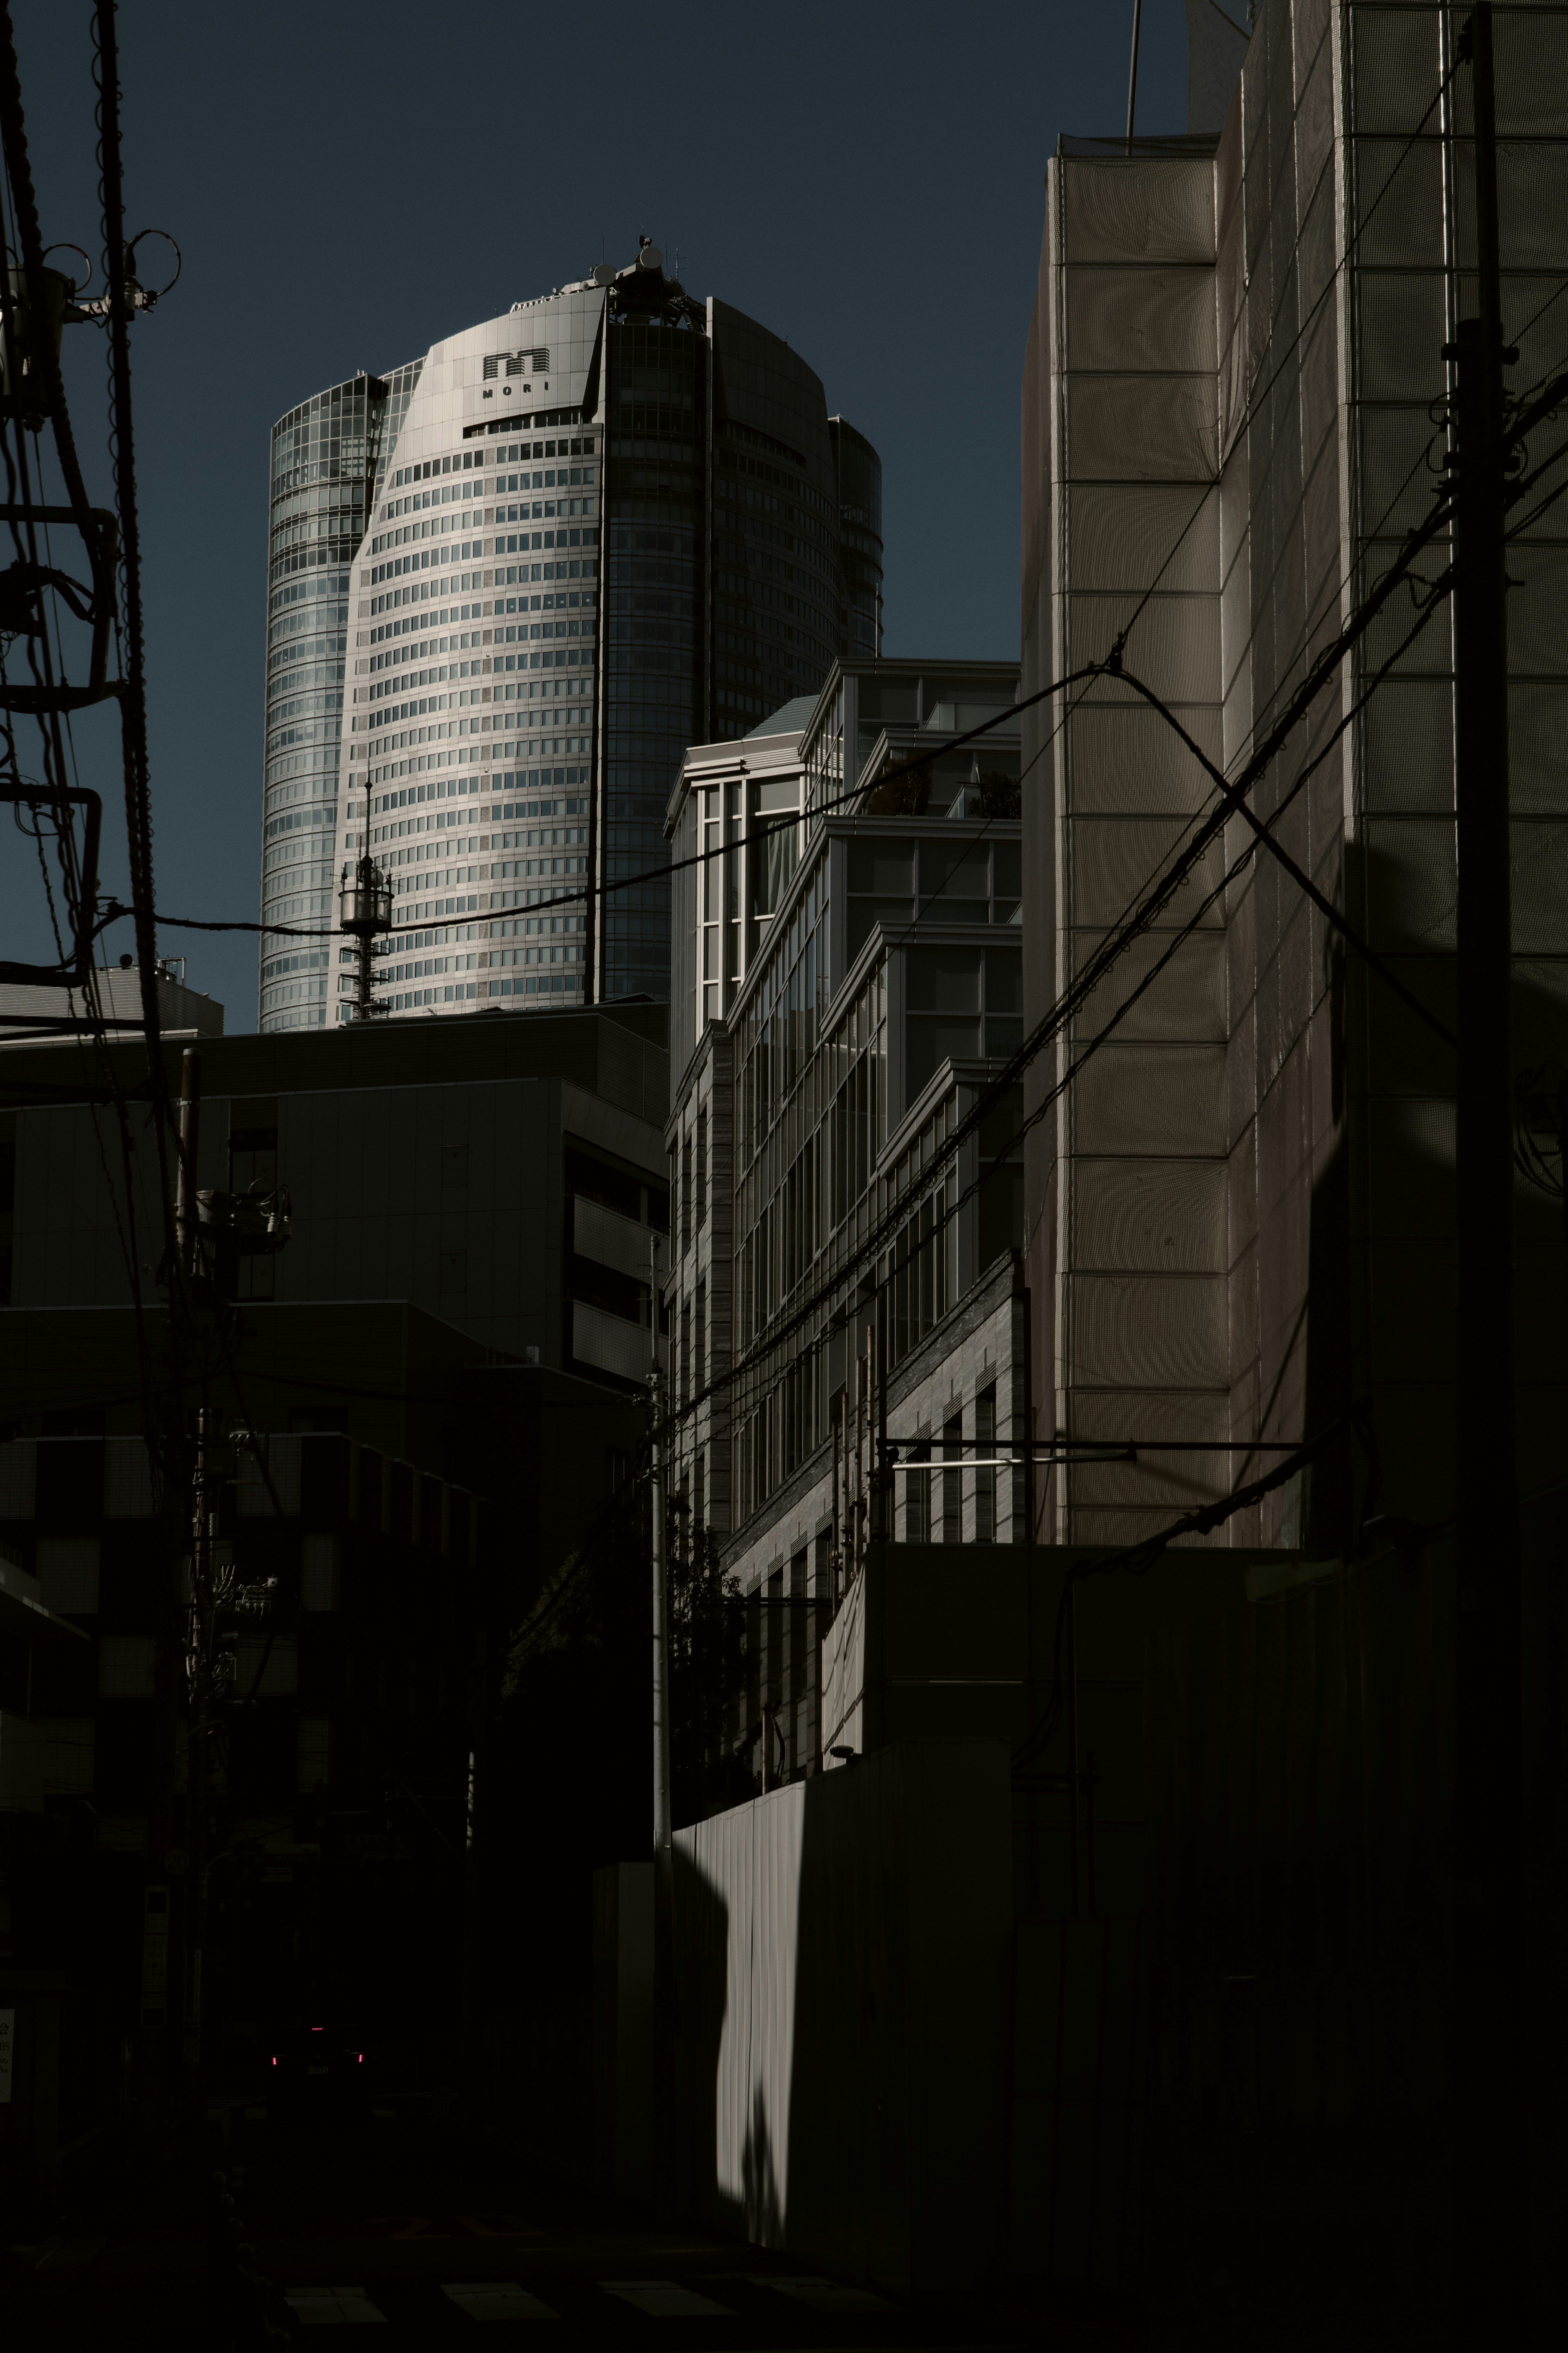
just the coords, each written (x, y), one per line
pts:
(1242, 1210)
(507, 708)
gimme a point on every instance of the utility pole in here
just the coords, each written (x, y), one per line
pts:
(1492, 1946)
(664, 1986)
(661, 1581)
(364, 911)
(202, 1668)
(210, 1228)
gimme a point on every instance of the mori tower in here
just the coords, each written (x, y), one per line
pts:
(509, 584)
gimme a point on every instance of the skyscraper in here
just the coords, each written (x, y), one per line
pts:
(326, 459)
(448, 689)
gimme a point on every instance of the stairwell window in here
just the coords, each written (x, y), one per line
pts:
(952, 1481)
(985, 1479)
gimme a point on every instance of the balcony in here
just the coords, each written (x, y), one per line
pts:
(612, 1344)
(611, 1239)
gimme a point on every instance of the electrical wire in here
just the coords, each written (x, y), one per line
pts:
(901, 1212)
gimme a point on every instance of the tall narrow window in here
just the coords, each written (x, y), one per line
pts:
(685, 1196)
(701, 1168)
(952, 1481)
(985, 1478)
(917, 1499)
(700, 1341)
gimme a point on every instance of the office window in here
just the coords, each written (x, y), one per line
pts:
(319, 1575)
(985, 1479)
(67, 1569)
(917, 1500)
(953, 1481)
(67, 1756)
(125, 1666)
(312, 1755)
(127, 1480)
(267, 1667)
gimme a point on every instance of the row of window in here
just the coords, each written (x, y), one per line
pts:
(542, 511)
(551, 838)
(445, 789)
(517, 633)
(307, 960)
(480, 550)
(461, 583)
(323, 813)
(462, 461)
(509, 867)
(318, 589)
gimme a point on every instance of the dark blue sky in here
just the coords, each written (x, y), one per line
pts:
(348, 183)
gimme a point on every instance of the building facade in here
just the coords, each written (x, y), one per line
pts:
(507, 1181)
(1241, 1212)
(845, 978)
(531, 691)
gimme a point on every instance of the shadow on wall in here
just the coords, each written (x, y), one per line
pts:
(842, 1963)
(702, 1961)
(759, 2179)
(1377, 1315)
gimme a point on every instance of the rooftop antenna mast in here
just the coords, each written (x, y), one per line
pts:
(364, 901)
(1132, 72)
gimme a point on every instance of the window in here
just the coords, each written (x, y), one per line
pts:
(953, 1481)
(985, 1479)
(266, 1666)
(67, 1756)
(312, 1755)
(125, 1666)
(917, 1500)
(319, 1575)
(68, 1575)
(701, 1169)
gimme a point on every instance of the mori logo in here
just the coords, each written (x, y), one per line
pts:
(508, 364)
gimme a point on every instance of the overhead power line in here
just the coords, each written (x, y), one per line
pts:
(890, 1225)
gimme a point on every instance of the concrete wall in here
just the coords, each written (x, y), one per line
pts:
(842, 1954)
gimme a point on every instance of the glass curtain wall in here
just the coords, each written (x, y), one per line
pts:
(324, 460)
(857, 472)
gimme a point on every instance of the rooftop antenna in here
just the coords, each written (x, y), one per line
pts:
(1132, 74)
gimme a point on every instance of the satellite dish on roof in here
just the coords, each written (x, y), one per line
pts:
(603, 274)
(650, 258)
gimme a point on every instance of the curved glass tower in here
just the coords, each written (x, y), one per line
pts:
(593, 530)
(858, 478)
(322, 485)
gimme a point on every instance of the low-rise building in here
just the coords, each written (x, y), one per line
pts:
(504, 1173)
